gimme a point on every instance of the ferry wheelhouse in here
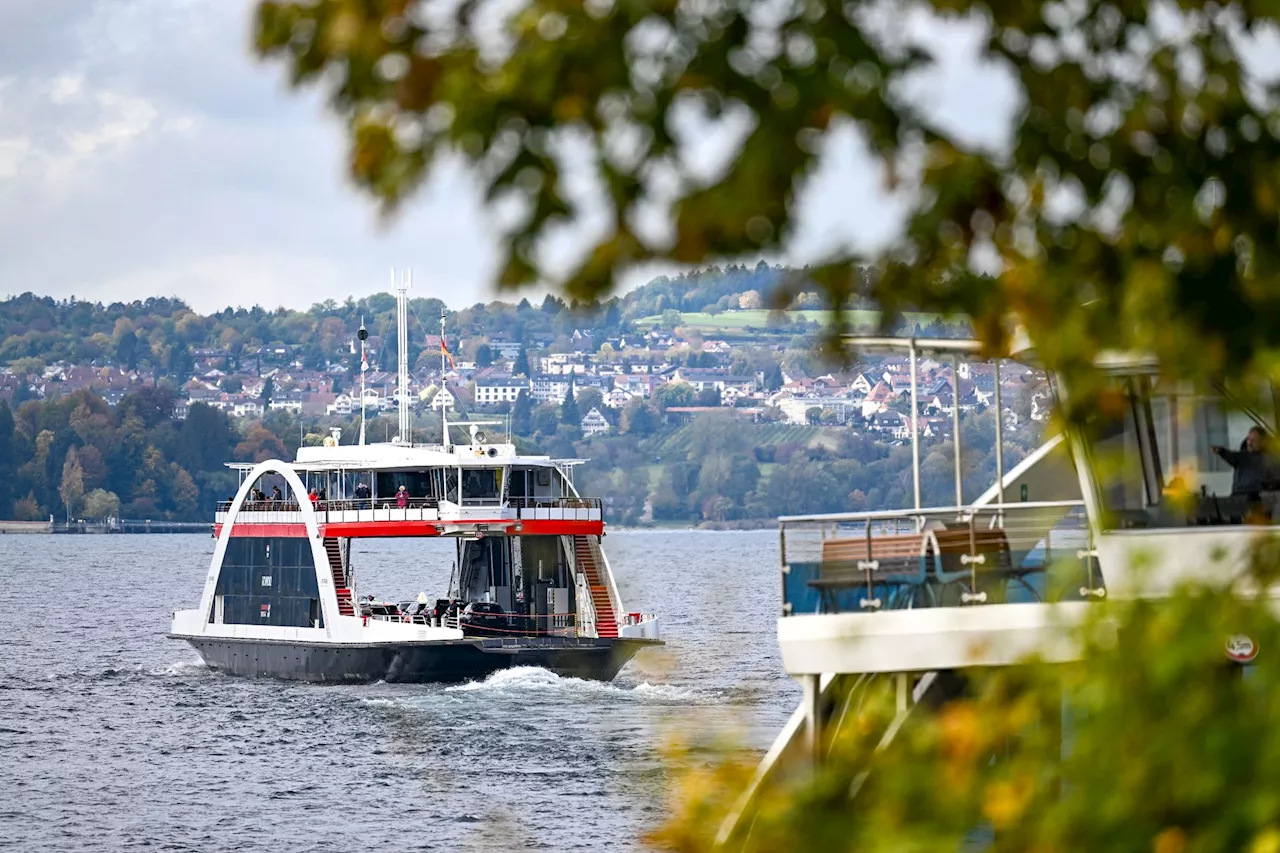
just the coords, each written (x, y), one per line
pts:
(906, 599)
(530, 585)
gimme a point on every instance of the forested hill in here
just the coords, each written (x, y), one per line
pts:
(161, 333)
(74, 455)
(133, 408)
(715, 289)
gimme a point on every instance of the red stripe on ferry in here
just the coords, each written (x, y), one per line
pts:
(389, 529)
(243, 529)
(528, 527)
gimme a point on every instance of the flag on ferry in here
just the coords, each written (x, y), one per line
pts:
(444, 351)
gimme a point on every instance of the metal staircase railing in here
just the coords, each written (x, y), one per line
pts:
(830, 703)
(582, 589)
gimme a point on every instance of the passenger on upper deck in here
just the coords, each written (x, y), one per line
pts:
(276, 494)
(402, 497)
(1255, 464)
(362, 491)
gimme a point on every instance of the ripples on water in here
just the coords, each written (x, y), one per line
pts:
(114, 737)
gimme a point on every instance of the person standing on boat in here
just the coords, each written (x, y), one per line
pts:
(402, 497)
(1255, 465)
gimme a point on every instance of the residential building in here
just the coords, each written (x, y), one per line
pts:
(505, 349)
(562, 363)
(245, 407)
(797, 409)
(290, 401)
(701, 379)
(499, 389)
(547, 388)
(444, 399)
(617, 398)
(594, 423)
(635, 384)
(343, 405)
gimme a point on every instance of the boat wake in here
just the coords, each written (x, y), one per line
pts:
(182, 669)
(522, 682)
(123, 672)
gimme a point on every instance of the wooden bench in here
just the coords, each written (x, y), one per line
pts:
(900, 559)
(956, 546)
(981, 553)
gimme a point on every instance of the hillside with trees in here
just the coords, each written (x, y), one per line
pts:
(163, 335)
(74, 456)
(147, 451)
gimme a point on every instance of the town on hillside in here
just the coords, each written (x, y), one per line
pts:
(632, 379)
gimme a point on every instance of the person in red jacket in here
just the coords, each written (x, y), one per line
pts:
(402, 497)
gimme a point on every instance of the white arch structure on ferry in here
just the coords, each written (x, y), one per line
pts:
(328, 595)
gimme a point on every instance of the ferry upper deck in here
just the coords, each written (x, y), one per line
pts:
(1132, 505)
(1143, 499)
(426, 490)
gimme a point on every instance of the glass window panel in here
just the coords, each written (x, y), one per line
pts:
(1154, 462)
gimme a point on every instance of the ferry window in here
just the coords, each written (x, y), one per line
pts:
(353, 481)
(1116, 461)
(416, 483)
(479, 484)
(1152, 457)
(267, 581)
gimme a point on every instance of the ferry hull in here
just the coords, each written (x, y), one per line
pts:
(439, 661)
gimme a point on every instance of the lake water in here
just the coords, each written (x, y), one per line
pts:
(114, 737)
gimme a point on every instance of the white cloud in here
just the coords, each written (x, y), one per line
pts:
(121, 120)
(144, 152)
(13, 152)
(66, 87)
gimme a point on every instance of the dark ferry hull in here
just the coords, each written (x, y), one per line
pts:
(434, 661)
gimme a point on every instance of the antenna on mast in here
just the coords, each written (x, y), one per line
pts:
(444, 410)
(402, 340)
(363, 335)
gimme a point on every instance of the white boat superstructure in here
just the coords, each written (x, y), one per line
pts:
(530, 583)
(1141, 504)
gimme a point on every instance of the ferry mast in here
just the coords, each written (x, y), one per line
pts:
(402, 344)
(444, 410)
(363, 335)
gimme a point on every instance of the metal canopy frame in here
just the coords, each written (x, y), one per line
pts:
(940, 347)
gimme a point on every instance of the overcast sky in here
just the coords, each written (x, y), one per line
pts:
(144, 153)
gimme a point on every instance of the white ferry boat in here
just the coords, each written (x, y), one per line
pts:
(531, 585)
(907, 600)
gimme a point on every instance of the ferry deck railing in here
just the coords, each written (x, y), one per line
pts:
(937, 557)
(415, 509)
(501, 625)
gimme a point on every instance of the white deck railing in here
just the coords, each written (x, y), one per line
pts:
(354, 512)
(936, 556)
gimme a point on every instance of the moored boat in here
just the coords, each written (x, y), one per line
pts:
(903, 604)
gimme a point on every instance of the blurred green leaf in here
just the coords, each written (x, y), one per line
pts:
(1134, 207)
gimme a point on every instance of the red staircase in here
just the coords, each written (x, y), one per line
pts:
(345, 606)
(606, 620)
